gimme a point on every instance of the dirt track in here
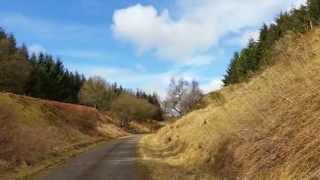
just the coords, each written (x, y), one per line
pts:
(112, 161)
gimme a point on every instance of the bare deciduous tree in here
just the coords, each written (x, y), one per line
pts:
(182, 97)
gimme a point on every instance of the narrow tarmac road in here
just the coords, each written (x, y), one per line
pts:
(112, 161)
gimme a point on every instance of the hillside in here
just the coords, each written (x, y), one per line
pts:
(36, 133)
(264, 128)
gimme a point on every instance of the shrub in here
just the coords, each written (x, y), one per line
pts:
(128, 108)
(96, 92)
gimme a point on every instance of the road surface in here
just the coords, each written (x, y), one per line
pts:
(112, 161)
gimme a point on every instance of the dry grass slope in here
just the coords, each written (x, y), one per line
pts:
(265, 128)
(33, 132)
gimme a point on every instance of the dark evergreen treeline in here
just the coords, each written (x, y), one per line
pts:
(252, 58)
(43, 76)
(39, 76)
(50, 80)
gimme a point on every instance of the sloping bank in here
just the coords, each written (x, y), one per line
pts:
(267, 128)
(35, 134)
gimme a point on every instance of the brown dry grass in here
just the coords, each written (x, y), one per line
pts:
(266, 128)
(33, 131)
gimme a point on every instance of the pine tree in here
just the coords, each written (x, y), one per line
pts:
(12, 44)
(314, 11)
(3, 34)
(232, 75)
(257, 54)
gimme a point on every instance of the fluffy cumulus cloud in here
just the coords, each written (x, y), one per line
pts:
(199, 26)
(152, 30)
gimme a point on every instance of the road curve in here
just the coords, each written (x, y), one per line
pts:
(112, 161)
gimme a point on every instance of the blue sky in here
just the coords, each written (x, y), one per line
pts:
(141, 43)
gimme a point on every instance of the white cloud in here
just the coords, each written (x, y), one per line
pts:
(244, 39)
(149, 29)
(212, 85)
(36, 49)
(298, 3)
(199, 27)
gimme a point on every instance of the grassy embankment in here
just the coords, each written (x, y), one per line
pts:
(266, 128)
(35, 134)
